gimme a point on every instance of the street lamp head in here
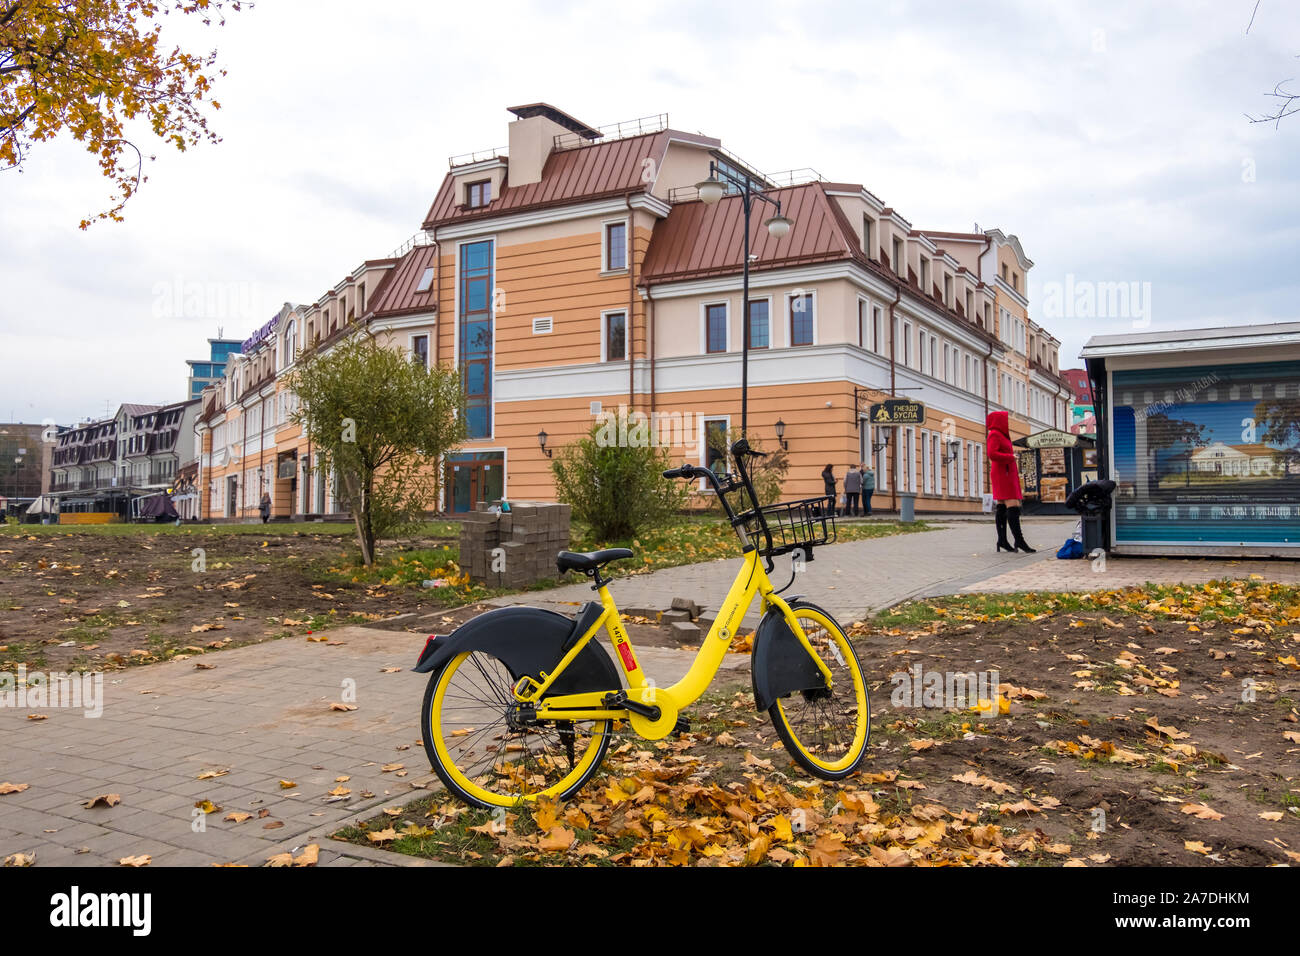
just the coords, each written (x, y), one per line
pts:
(710, 190)
(780, 429)
(778, 226)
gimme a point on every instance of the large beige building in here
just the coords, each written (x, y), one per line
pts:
(578, 273)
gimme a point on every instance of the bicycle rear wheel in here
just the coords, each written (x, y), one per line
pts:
(826, 731)
(487, 752)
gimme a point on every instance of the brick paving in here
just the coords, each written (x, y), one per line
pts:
(263, 711)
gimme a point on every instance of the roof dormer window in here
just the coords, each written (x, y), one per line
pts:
(426, 280)
(478, 193)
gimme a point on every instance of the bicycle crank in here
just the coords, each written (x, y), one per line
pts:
(654, 717)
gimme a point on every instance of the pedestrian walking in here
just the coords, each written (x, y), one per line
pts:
(852, 491)
(868, 486)
(265, 507)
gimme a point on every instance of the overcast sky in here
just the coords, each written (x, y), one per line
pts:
(1112, 141)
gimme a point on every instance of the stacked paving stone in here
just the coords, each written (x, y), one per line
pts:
(529, 535)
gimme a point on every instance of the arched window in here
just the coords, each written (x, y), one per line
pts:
(290, 344)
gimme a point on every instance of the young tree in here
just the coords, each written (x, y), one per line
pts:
(381, 423)
(90, 67)
(767, 474)
(613, 478)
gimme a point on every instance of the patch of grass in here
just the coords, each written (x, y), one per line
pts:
(1018, 604)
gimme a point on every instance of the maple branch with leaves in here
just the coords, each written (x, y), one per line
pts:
(90, 68)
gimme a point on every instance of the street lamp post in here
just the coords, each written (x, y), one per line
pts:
(711, 190)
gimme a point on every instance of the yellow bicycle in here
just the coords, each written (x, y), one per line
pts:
(522, 702)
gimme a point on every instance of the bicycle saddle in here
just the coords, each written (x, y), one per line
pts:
(589, 561)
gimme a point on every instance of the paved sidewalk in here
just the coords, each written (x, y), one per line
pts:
(849, 580)
(1118, 572)
(263, 713)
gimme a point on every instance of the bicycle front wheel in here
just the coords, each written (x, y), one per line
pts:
(826, 731)
(487, 753)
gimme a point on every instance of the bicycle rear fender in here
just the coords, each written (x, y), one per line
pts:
(529, 640)
(779, 664)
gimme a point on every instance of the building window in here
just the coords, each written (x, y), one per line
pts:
(715, 327)
(925, 276)
(869, 236)
(1004, 272)
(900, 267)
(802, 319)
(426, 281)
(420, 350)
(877, 328)
(478, 194)
(615, 336)
(474, 333)
(759, 323)
(615, 246)
(947, 291)
(907, 344)
(714, 453)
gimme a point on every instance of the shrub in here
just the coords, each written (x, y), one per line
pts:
(613, 478)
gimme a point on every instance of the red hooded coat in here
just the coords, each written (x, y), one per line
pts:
(1003, 474)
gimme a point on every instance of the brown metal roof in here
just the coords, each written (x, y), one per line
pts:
(397, 293)
(569, 175)
(698, 240)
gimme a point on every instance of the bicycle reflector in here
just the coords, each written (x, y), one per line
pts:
(429, 646)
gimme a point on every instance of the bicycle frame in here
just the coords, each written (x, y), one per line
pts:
(751, 581)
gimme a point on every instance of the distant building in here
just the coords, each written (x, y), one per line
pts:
(209, 371)
(24, 465)
(102, 466)
(1083, 413)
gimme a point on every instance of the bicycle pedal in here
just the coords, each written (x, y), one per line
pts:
(620, 700)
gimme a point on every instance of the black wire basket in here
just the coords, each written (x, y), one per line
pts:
(791, 525)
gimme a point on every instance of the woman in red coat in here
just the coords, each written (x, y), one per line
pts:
(1005, 479)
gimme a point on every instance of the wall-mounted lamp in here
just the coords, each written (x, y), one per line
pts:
(954, 449)
(780, 434)
(883, 443)
(541, 440)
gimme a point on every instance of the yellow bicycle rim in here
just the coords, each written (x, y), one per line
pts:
(854, 750)
(490, 796)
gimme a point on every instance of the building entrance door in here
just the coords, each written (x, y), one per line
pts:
(474, 477)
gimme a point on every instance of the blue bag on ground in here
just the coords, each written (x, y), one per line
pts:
(1071, 549)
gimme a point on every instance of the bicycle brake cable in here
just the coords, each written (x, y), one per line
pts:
(794, 563)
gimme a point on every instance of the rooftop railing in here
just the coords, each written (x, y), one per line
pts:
(481, 156)
(640, 126)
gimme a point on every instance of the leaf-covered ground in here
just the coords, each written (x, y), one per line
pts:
(1137, 727)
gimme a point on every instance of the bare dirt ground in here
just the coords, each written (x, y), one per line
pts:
(92, 600)
(1135, 731)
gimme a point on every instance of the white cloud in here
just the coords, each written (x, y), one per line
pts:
(1109, 138)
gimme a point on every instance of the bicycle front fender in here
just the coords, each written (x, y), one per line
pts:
(779, 665)
(528, 640)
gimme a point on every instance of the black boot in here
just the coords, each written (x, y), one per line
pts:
(1013, 519)
(1001, 517)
